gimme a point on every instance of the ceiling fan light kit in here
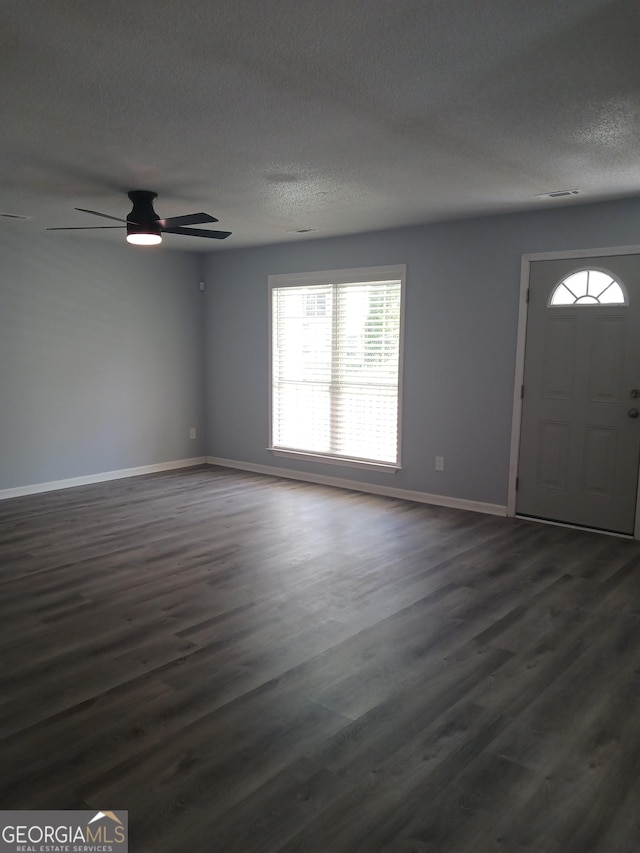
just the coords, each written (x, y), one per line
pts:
(142, 238)
(142, 220)
(145, 227)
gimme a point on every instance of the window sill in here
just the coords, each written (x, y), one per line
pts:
(384, 467)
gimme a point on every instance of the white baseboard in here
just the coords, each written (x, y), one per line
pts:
(369, 488)
(87, 480)
(321, 479)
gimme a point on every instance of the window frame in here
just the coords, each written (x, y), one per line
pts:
(357, 275)
(598, 304)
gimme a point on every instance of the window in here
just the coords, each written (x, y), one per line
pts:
(335, 365)
(315, 305)
(588, 287)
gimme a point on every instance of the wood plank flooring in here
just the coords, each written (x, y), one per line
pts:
(253, 664)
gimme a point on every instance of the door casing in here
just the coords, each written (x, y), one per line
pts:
(525, 269)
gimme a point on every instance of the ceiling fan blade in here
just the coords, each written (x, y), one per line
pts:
(198, 232)
(189, 219)
(87, 228)
(96, 213)
(143, 218)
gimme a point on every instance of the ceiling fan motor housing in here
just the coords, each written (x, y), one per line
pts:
(142, 219)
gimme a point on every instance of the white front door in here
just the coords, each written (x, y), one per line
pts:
(580, 432)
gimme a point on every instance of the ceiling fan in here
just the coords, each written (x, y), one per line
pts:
(144, 226)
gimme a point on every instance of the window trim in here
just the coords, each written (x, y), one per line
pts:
(346, 276)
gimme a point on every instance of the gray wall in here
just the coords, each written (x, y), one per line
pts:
(100, 357)
(463, 283)
(101, 347)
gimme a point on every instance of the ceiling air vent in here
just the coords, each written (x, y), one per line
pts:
(559, 194)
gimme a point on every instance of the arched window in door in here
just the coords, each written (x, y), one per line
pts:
(589, 287)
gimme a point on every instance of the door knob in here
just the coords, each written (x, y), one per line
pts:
(633, 413)
(635, 393)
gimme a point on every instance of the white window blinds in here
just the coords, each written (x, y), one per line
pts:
(336, 367)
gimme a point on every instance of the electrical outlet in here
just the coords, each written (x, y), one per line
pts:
(192, 432)
(439, 463)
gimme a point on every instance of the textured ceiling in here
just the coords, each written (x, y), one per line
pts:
(341, 116)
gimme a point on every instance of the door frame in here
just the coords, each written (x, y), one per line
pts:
(523, 310)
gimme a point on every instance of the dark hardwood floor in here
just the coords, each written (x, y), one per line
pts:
(253, 664)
